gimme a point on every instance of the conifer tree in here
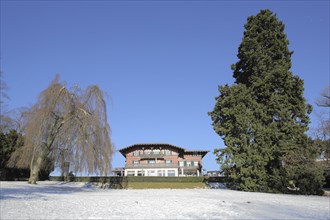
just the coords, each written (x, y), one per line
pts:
(263, 117)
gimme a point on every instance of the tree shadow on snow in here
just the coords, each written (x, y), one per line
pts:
(27, 191)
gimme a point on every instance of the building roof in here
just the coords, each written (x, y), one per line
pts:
(125, 149)
(203, 152)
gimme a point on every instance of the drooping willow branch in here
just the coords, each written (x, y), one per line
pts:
(68, 125)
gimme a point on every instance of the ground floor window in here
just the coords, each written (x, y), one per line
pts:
(151, 173)
(130, 173)
(161, 173)
(171, 173)
(190, 173)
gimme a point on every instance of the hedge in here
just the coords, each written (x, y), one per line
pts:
(120, 179)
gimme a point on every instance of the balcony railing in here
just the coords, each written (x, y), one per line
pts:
(152, 155)
(152, 165)
(189, 167)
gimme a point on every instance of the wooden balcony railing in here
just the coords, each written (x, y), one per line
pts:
(152, 155)
(152, 165)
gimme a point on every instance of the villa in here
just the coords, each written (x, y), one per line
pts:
(156, 159)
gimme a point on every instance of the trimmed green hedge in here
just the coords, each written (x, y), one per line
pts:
(120, 179)
(145, 182)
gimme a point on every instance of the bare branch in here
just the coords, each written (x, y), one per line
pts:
(324, 101)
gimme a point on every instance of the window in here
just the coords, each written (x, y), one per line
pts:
(130, 173)
(136, 153)
(168, 161)
(171, 173)
(151, 161)
(135, 162)
(168, 152)
(151, 173)
(139, 173)
(160, 173)
(181, 164)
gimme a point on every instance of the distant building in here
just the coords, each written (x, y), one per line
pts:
(213, 173)
(158, 159)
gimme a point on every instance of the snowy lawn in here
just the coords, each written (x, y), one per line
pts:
(56, 200)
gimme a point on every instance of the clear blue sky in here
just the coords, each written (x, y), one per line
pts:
(160, 61)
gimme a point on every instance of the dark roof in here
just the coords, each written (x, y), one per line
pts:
(123, 150)
(148, 145)
(204, 152)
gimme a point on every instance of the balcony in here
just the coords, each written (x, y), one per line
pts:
(151, 165)
(190, 167)
(151, 155)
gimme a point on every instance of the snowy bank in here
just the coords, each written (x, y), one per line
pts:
(56, 200)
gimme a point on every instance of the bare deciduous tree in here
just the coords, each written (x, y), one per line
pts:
(67, 126)
(6, 123)
(322, 131)
(324, 101)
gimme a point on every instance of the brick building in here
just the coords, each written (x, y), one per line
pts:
(157, 159)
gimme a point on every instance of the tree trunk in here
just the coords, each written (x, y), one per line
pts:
(35, 167)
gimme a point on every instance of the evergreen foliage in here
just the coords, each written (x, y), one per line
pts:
(263, 117)
(11, 142)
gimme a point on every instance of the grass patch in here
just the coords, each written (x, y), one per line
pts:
(165, 185)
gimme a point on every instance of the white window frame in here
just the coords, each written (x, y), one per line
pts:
(171, 173)
(130, 173)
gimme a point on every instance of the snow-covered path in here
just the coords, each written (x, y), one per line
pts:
(55, 200)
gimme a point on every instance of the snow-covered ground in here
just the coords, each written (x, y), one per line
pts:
(56, 200)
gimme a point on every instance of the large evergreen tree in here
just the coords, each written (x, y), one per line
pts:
(263, 117)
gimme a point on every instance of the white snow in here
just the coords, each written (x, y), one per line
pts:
(57, 200)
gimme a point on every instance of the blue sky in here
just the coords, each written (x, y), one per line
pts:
(160, 61)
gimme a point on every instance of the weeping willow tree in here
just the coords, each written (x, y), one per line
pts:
(67, 127)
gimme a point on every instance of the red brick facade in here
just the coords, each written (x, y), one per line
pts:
(162, 160)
